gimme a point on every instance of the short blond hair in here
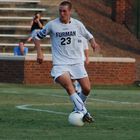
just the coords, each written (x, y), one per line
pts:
(66, 3)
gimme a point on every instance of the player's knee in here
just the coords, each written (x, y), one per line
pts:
(70, 89)
(86, 90)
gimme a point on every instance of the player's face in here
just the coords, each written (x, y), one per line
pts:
(64, 13)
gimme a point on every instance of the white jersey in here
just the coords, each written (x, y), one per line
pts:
(85, 44)
(66, 39)
(85, 47)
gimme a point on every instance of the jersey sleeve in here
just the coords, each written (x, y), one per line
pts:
(43, 32)
(84, 32)
(85, 44)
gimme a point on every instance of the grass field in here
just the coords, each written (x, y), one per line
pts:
(40, 113)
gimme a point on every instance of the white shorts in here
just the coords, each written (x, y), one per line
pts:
(77, 71)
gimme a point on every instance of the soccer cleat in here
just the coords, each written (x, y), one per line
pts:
(88, 118)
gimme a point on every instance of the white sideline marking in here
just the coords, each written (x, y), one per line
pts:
(117, 102)
(27, 107)
(103, 100)
(93, 99)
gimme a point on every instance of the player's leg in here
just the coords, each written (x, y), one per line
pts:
(65, 81)
(77, 86)
(85, 86)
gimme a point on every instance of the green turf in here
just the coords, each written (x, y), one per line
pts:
(117, 113)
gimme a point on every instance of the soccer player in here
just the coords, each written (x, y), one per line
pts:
(66, 35)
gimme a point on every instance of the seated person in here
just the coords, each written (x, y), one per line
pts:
(20, 50)
(36, 25)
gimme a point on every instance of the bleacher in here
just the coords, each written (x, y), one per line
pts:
(15, 19)
(22, 9)
(20, 1)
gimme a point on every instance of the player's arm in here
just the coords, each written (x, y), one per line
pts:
(86, 56)
(40, 35)
(39, 51)
(94, 45)
(90, 38)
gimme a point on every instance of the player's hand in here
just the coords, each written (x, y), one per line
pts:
(97, 48)
(87, 61)
(40, 59)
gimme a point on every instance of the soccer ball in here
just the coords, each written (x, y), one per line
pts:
(75, 118)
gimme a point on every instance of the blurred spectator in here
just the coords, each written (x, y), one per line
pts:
(36, 25)
(20, 50)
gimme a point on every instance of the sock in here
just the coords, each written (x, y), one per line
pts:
(82, 96)
(78, 103)
(77, 86)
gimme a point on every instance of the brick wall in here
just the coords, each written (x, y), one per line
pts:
(102, 71)
(111, 73)
(124, 11)
(118, 10)
(11, 71)
(35, 73)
